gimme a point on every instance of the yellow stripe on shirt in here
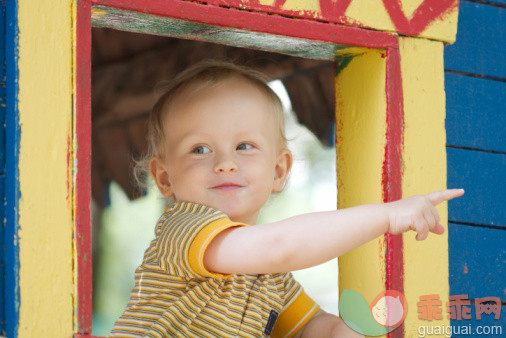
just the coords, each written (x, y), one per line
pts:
(295, 316)
(201, 242)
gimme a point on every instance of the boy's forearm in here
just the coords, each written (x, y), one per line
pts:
(312, 239)
(297, 242)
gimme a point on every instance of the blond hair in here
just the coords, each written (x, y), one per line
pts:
(202, 75)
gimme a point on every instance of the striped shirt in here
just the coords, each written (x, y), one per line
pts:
(175, 296)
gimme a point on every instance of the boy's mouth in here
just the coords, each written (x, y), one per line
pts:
(227, 186)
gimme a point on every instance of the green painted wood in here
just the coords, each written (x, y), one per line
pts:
(151, 24)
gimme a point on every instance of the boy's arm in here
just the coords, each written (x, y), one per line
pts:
(310, 239)
(294, 243)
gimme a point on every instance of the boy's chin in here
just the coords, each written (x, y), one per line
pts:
(237, 215)
(236, 209)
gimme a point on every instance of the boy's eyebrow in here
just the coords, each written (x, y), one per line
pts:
(246, 133)
(195, 135)
(190, 136)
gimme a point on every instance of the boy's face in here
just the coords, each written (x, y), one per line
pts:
(223, 150)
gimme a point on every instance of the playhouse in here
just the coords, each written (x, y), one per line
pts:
(410, 116)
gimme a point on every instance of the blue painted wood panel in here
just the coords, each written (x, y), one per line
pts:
(2, 41)
(2, 129)
(490, 2)
(2, 165)
(2, 254)
(2, 228)
(479, 328)
(2, 304)
(480, 47)
(475, 112)
(477, 258)
(12, 194)
(483, 177)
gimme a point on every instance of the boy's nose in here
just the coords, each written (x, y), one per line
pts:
(225, 164)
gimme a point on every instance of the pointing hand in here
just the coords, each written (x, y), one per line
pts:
(419, 213)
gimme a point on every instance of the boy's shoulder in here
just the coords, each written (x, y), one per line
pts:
(189, 213)
(186, 207)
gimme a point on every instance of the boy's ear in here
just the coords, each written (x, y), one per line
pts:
(161, 176)
(283, 166)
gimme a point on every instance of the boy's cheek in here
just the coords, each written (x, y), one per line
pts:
(258, 164)
(189, 168)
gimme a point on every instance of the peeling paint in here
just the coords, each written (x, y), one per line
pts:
(45, 210)
(427, 18)
(144, 23)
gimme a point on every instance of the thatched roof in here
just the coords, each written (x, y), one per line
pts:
(127, 67)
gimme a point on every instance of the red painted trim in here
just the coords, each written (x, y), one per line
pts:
(83, 174)
(335, 12)
(427, 12)
(259, 22)
(330, 10)
(392, 172)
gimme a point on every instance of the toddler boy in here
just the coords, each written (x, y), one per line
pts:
(217, 149)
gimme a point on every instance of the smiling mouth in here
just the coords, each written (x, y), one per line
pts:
(227, 187)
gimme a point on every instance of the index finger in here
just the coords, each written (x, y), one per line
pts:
(437, 197)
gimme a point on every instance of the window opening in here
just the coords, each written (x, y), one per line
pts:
(123, 222)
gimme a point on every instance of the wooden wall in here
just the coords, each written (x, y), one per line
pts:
(2, 164)
(475, 81)
(9, 184)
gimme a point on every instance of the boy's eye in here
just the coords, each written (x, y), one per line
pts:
(201, 150)
(244, 146)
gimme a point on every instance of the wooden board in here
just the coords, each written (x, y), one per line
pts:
(2, 41)
(477, 261)
(478, 269)
(2, 301)
(2, 129)
(2, 236)
(2, 166)
(44, 171)
(435, 19)
(2, 87)
(2, 253)
(480, 41)
(249, 37)
(475, 112)
(491, 2)
(487, 322)
(483, 176)
(425, 265)
(12, 131)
